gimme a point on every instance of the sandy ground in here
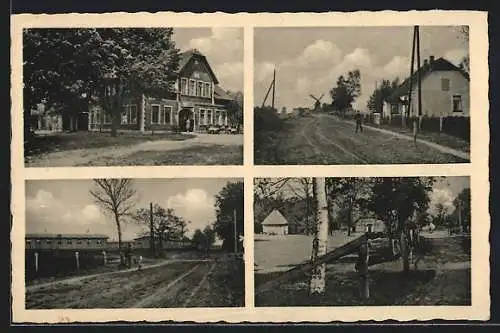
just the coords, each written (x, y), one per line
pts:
(94, 156)
(324, 139)
(176, 284)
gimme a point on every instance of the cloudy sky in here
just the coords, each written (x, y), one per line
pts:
(65, 206)
(309, 60)
(223, 48)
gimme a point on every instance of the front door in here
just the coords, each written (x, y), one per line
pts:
(186, 121)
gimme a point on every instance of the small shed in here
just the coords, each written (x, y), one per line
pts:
(275, 224)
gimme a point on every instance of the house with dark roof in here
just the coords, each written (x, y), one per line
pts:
(275, 224)
(444, 91)
(196, 102)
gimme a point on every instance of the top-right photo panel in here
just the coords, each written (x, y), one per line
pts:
(361, 95)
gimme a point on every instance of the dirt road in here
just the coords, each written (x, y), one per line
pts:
(179, 284)
(120, 155)
(324, 139)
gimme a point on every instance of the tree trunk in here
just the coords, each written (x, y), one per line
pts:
(318, 276)
(404, 252)
(119, 228)
(114, 123)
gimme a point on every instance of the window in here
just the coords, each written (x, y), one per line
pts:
(59, 242)
(155, 114)
(89, 242)
(184, 86)
(69, 241)
(192, 87)
(129, 115)
(38, 241)
(167, 110)
(199, 88)
(48, 242)
(445, 84)
(99, 241)
(79, 242)
(107, 118)
(203, 120)
(209, 116)
(28, 242)
(457, 103)
(209, 90)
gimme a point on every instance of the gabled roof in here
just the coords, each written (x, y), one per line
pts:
(186, 56)
(78, 236)
(219, 93)
(440, 64)
(275, 218)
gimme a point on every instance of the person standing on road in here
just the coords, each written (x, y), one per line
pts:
(359, 120)
(139, 263)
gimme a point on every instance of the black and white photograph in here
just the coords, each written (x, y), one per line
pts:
(354, 241)
(361, 95)
(134, 243)
(132, 96)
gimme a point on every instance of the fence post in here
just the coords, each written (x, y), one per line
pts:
(440, 124)
(105, 257)
(77, 261)
(36, 262)
(363, 270)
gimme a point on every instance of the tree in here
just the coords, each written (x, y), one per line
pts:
(228, 202)
(116, 197)
(382, 94)
(166, 224)
(320, 242)
(395, 200)
(235, 108)
(349, 195)
(71, 67)
(464, 63)
(203, 240)
(462, 204)
(346, 90)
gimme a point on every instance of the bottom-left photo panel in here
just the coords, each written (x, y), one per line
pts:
(134, 243)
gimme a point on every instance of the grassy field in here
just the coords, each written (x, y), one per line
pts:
(442, 278)
(86, 140)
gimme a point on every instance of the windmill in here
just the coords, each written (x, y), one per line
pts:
(317, 103)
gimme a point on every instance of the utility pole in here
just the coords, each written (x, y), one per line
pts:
(419, 78)
(376, 97)
(271, 86)
(274, 86)
(235, 232)
(460, 214)
(408, 111)
(151, 231)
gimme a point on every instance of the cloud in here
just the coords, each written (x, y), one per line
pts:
(195, 206)
(455, 56)
(320, 51)
(230, 74)
(46, 213)
(223, 45)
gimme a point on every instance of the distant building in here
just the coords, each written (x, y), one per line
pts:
(144, 243)
(65, 241)
(370, 225)
(275, 224)
(445, 91)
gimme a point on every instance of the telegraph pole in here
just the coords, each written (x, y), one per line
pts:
(411, 74)
(274, 86)
(151, 231)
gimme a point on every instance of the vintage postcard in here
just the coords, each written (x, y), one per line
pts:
(287, 167)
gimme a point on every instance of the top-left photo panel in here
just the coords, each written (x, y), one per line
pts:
(132, 96)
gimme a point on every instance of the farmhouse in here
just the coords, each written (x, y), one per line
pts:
(65, 241)
(445, 91)
(275, 224)
(196, 102)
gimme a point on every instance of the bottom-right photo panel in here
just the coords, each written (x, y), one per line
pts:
(345, 241)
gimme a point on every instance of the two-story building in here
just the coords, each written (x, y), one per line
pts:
(444, 91)
(196, 102)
